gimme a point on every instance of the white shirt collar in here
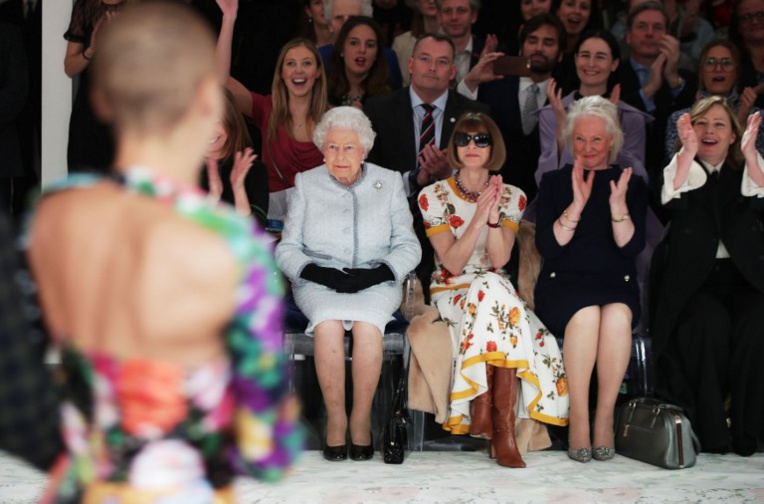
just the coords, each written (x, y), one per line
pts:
(439, 103)
(525, 83)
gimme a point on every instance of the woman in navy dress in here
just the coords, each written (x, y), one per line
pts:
(590, 229)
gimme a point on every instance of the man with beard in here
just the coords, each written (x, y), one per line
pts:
(515, 100)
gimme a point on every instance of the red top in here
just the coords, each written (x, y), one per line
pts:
(285, 155)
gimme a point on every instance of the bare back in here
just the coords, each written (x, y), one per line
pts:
(121, 274)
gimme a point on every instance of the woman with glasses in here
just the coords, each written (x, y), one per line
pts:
(709, 293)
(719, 75)
(500, 348)
(746, 31)
(590, 228)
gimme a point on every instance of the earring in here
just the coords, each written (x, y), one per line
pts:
(310, 19)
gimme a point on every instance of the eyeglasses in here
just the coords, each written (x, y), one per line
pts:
(482, 140)
(726, 63)
(747, 18)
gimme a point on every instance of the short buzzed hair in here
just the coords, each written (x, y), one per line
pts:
(474, 5)
(150, 63)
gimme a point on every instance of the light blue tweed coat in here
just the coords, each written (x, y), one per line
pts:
(359, 226)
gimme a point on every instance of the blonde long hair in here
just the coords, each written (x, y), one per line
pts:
(280, 95)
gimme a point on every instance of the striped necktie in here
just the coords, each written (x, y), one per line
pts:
(530, 120)
(427, 131)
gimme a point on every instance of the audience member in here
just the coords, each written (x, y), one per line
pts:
(91, 144)
(709, 283)
(337, 12)
(317, 29)
(684, 23)
(651, 79)
(233, 175)
(456, 18)
(589, 230)
(515, 100)
(597, 59)
(719, 75)
(287, 117)
(425, 20)
(347, 276)
(578, 17)
(472, 220)
(171, 339)
(526, 10)
(413, 125)
(746, 30)
(358, 71)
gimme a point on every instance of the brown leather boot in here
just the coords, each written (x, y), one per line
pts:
(503, 444)
(481, 424)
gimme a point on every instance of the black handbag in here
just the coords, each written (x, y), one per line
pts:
(657, 433)
(394, 435)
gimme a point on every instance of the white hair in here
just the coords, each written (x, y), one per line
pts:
(601, 108)
(366, 9)
(349, 118)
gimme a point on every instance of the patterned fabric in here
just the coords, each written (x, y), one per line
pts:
(427, 135)
(181, 436)
(29, 425)
(489, 323)
(530, 118)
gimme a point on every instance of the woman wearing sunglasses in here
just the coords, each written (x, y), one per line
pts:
(500, 347)
(590, 228)
(719, 75)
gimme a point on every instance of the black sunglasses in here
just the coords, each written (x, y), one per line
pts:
(482, 140)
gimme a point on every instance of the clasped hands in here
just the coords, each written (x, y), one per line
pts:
(347, 280)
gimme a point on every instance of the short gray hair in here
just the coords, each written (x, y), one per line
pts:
(349, 118)
(366, 9)
(602, 108)
(474, 5)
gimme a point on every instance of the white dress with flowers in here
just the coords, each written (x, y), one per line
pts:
(489, 323)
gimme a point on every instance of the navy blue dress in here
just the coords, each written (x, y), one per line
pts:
(591, 270)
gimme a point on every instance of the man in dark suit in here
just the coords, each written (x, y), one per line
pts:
(402, 144)
(514, 100)
(651, 79)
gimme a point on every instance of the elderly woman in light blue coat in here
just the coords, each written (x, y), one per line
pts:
(348, 243)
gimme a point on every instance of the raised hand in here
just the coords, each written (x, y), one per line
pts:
(582, 185)
(228, 7)
(615, 95)
(435, 162)
(655, 78)
(554, 95)
(687, 135)
(747, 99)
(670, 47)
(496, 184)
(748, 143)
(242, 162)
(483, 70)
(618, 190)
(213, 179)
(487, 204)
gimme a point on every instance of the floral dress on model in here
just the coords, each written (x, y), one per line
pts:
(147, 431)
(489, 323)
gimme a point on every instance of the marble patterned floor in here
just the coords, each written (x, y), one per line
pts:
(458, 477)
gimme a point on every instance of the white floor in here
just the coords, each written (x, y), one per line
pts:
(471, 477)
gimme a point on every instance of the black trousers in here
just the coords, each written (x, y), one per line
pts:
(720, 341)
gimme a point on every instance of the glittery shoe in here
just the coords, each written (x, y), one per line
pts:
(603, 453)
(580, 455)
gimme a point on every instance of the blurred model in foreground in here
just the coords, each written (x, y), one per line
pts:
(167, 308)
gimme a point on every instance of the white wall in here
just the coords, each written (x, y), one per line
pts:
(56, 89)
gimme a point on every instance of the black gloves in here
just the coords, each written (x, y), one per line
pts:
(348, 280)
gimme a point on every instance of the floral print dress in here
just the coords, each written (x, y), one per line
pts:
(489, 323)
(147, 431)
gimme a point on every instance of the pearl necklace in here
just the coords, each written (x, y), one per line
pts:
(469, 195)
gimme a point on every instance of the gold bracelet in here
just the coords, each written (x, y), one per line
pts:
(624, 217)
(563, 226)
(565, 214)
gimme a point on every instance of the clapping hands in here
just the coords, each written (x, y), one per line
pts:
(488, 201)
(582, 185)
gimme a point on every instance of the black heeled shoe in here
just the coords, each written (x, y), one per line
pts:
(336, 453)
(362, 452)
